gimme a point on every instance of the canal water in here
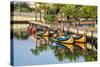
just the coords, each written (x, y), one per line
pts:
(27, 50)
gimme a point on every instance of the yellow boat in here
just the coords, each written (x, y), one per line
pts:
(70, 40)
(81, 40)
(48, 33)
(45, 34)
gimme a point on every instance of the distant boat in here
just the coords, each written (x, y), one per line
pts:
(71, 38)
(40, 33)
(46, 34)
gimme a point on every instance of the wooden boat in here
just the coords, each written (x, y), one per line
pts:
(79, 38)
(62, 39)
(60, 34)
(67, 40)
(82, 40)
(46, 34)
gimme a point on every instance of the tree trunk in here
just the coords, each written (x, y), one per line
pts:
(61, 21)
(35, 13)
(40, 13)
(45, 14)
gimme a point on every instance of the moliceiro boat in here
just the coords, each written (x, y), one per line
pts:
(46, 34)
(68, 41)
(64, 39)
(79, 38)
(82, 39)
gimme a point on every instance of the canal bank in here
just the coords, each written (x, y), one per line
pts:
(24, 24)
(23, 34)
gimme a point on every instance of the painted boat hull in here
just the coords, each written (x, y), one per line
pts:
(81, 40)
(69, 41)
(66, 41)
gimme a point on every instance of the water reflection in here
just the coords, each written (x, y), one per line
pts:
(22, 35)
(69, 51)
(62, 52)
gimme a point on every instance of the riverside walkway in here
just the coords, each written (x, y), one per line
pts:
(82, 31)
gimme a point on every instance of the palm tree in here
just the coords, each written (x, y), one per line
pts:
(39, 9)
(59, 14)
(35, 11)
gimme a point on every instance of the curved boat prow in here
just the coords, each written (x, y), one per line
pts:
(70, 40)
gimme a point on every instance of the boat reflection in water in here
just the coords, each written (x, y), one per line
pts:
(42, 50)
(65, 50)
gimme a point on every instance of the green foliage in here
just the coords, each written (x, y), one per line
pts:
(50, 16)
(71, 12)
(23, 35)
(68, 10)
(22, 7)
(88, 12)
(43, 6)
(51, 11)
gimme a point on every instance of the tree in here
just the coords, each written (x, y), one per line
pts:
(88, 12)
(50, 16)
(40, 9)
(43, 7)
(22, 7)
(58, 9)
(35, 11)
(69, 12)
